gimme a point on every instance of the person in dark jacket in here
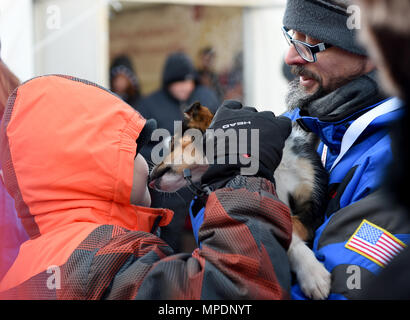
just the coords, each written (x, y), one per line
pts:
(207, 75)
(180, 88)
(124, 81)
(337, 96)
(386, 32)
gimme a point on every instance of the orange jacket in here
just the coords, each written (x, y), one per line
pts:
(68, 149)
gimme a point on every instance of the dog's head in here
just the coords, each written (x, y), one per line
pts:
(185, 152)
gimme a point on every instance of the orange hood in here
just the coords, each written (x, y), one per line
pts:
(68, 149)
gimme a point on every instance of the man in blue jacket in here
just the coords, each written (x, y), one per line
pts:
(336, 96)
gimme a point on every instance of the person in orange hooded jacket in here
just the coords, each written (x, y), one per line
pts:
(70, 160)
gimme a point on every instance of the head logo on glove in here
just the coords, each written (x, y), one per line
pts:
(240, 123)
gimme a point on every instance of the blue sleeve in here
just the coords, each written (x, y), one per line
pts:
(196, 220)
(292, 114)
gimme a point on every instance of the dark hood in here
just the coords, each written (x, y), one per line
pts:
(122, 64)
(178, 67)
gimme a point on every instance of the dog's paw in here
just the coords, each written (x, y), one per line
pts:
(312, 276)
(314, 279)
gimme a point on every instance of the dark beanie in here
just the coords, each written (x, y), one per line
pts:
(324, 21)
(178, 67)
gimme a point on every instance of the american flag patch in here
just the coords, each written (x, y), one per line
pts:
(375, 243)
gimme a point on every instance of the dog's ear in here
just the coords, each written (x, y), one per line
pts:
(190, 114)
(192, 111)
(197, 116)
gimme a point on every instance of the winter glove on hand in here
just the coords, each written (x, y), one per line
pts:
(260, 157)
(259, 139)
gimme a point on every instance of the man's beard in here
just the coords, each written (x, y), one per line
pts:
(296, 96)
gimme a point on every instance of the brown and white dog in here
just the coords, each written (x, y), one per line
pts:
(301, 183)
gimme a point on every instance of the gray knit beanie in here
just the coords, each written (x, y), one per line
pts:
(324, 21)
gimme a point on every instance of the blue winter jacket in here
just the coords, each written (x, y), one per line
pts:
(358, 174)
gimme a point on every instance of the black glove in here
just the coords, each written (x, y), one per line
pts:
(273, 131)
